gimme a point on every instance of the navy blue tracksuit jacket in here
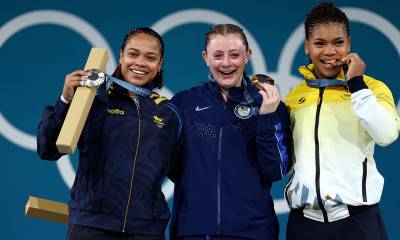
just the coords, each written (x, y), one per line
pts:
(227, 165)
(125, 150)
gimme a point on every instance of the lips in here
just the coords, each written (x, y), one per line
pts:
(226, 73)
(330, 63)
(139, 73)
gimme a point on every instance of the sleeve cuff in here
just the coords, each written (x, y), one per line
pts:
(64, 100)
(356, 83)
(61, 107)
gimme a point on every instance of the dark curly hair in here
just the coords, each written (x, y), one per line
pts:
(325, 13)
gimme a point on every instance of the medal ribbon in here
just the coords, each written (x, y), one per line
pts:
(128, 86)
(320, 83)
(249, 100)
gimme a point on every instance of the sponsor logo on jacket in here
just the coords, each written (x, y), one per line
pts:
(115, 111)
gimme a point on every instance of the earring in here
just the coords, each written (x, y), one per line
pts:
(246, 61)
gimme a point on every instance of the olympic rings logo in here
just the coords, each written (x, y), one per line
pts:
(293, 44)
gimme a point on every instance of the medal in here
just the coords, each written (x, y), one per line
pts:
(242, 111)
(96, 78)
(261, 78)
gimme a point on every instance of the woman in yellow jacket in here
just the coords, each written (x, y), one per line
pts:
(337, 115)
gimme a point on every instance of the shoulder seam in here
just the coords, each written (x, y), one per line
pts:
(175, 110)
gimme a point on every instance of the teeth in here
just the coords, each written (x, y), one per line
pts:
(138, 72)
(332, 62)
(226, 72)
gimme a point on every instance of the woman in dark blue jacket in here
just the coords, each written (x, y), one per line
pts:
(125, 150)
(234, 147)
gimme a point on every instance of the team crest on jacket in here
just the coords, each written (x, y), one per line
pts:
(158, 121)
(346, 96)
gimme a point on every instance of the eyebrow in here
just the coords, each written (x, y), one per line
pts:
(230, 51)
(234, 50)
(321, 39)
(137, 50)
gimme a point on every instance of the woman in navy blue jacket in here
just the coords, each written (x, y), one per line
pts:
(125, 149)
(234, 148)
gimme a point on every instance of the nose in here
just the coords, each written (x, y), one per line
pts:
(330, 49)
(140, 61)
(226, 61)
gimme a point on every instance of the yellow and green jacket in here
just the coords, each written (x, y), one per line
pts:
(334, 130)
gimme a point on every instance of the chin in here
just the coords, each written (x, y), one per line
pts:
(231, 82)
(136, 82)
(331, 75)
(226, 84)
(328, 74)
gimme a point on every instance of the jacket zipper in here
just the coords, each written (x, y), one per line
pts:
(219, 181)
(364, 181)
(136, 100)
(221, 130)
(317, 160)
(287, 188)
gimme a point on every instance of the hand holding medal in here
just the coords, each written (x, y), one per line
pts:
(356, 66)
(72, 81)
(268, 91)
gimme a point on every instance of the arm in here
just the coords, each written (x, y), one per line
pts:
(175, 167)
(53, 118)
(375, 110)
(273, 133)
(273, 144)
(373, 106)
(49, 128)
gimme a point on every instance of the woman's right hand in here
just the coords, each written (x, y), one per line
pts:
(271, 98)
(72, 81)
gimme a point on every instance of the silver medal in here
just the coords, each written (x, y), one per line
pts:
(96, 79)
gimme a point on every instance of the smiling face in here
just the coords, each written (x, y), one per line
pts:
(140, 59)
(226, 57)
(327, 43)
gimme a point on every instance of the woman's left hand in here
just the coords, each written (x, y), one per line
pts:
(356, 65)
(271, 98)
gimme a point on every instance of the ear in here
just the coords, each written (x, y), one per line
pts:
(248, 55)
(204, 54)
(120, 56)
(348, 48)
(161, 63)
(306, 50)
